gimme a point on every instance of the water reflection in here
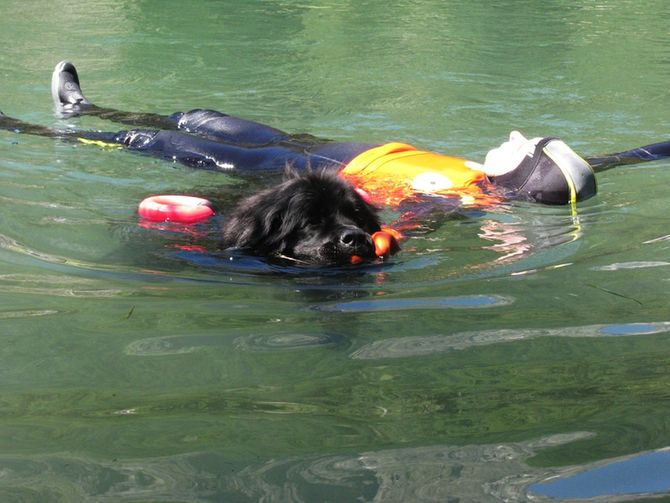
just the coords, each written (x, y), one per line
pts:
(494, 472)
(26, 313)
(644, 474)
(288, 341)
(452, 76)
(58, 286)
(404, 304)
(482, 473)
(255, 342)
(632, 265)
(401, 347)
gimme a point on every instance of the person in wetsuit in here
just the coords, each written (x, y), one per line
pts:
(545, 170)
(541, 169)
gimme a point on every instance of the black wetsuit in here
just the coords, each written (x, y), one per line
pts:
(213, 140)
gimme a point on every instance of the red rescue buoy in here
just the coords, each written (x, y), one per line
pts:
(174, 208)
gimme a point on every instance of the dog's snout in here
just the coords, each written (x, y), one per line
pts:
(354, 238)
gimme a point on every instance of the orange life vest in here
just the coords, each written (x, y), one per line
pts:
(393, 172)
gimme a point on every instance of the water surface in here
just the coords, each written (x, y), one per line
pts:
(504, 355)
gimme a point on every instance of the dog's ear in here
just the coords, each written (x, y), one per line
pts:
(256, 222)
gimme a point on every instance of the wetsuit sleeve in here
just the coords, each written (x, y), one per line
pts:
(653, 152)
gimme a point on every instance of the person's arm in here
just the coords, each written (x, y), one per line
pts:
(652, 152)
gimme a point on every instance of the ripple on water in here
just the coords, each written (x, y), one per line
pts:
(481, 472)
(486, 472)
(26, 313)
(288, 341)
(160, 346)
(404, 304)
(56, 285)
(631, 265)
(282, 341)
(401, 347)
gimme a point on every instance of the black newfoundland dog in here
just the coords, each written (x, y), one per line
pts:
(313, 218)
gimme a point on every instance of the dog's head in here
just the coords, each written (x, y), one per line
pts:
(312, 218)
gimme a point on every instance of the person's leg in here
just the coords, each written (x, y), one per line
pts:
(70, 100)
(245, 133)
(19, 126)
(228, 129)
(188, 149)
(203, 153)
(252, 147)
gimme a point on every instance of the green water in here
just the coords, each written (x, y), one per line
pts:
(498, 349)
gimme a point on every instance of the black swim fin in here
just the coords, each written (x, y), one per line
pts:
(65, 89)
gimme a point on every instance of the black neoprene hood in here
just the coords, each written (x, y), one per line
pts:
(553, 174)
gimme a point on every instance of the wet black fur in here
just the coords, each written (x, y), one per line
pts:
(312, 218)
